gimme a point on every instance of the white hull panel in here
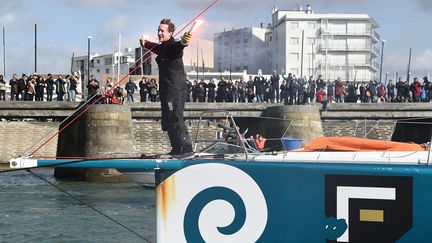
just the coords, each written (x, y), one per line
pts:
(146, 179)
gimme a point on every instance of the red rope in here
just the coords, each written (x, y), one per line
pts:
(119, 82)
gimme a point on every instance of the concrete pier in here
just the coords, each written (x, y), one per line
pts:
(24, 123)
(105, 131)
(296, 122)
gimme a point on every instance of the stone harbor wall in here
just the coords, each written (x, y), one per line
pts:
(17, 137)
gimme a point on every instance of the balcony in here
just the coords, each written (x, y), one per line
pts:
(370, 64)
(376, 37)
(351, 32)
(350, 48)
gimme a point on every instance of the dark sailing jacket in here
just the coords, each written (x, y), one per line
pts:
(172, 77)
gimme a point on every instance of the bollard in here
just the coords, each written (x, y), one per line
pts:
(296, 122)
(105, 131)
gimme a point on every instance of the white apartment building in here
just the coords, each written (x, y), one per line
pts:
(105, 64)
(333, 45)
(198, 51)
(241, 49)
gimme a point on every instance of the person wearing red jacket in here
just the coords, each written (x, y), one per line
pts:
(415, 90)
(339, 90)
(320, 98)
(382, 93)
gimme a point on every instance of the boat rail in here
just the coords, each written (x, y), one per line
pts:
(240, 140)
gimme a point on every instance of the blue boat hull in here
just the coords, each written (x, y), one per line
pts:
(294, 202)
(245, 201)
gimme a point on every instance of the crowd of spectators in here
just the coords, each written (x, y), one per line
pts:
(36, 87)
(286, 89)
(291, 90)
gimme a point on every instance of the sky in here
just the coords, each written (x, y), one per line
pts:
(64, 25)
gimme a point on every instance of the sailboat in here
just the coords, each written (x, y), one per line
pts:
(331, 190)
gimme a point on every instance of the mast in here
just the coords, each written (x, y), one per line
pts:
(118, 56)
(141, 61)
(35, 46)
(302, 52)
(409, 66)
(197, 65)
(4, 53)
(202, 59)
(72, 59)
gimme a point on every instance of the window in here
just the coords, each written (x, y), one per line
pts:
(237, 69)
(107, 71)
(123, 59)
(237, 42)
(294, 40)
(294, 25)
(245, 40)
(311, 25)
(245, 67)
(98, 70)
(294, 56)
(98, 61)
(310, 40)
(108, 61)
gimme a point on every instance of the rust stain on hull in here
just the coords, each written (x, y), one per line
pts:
(166, 195)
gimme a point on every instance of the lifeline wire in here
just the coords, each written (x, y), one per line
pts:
(119, 82)
(87, 205)
(399, 121)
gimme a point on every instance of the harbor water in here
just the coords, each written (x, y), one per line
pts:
(33, 211)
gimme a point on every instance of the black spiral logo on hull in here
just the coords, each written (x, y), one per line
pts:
(198, 203)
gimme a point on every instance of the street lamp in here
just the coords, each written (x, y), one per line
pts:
(197, 66)
(382, 57)
(385, 80)
(230, 64)
(328, 34)
(88, 57)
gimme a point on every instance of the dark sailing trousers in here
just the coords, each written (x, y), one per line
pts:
(172, 107)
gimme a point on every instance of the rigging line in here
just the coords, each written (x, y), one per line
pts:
(355, 130)
(87, 205)
(373, 127)
(61, 123)
(119, 82)
(81, 107)
(88, 108)
(78, 109)
(393, 130)
(178, 32)
(175, 34)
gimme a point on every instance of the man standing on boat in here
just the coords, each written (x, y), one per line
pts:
(172, 84)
